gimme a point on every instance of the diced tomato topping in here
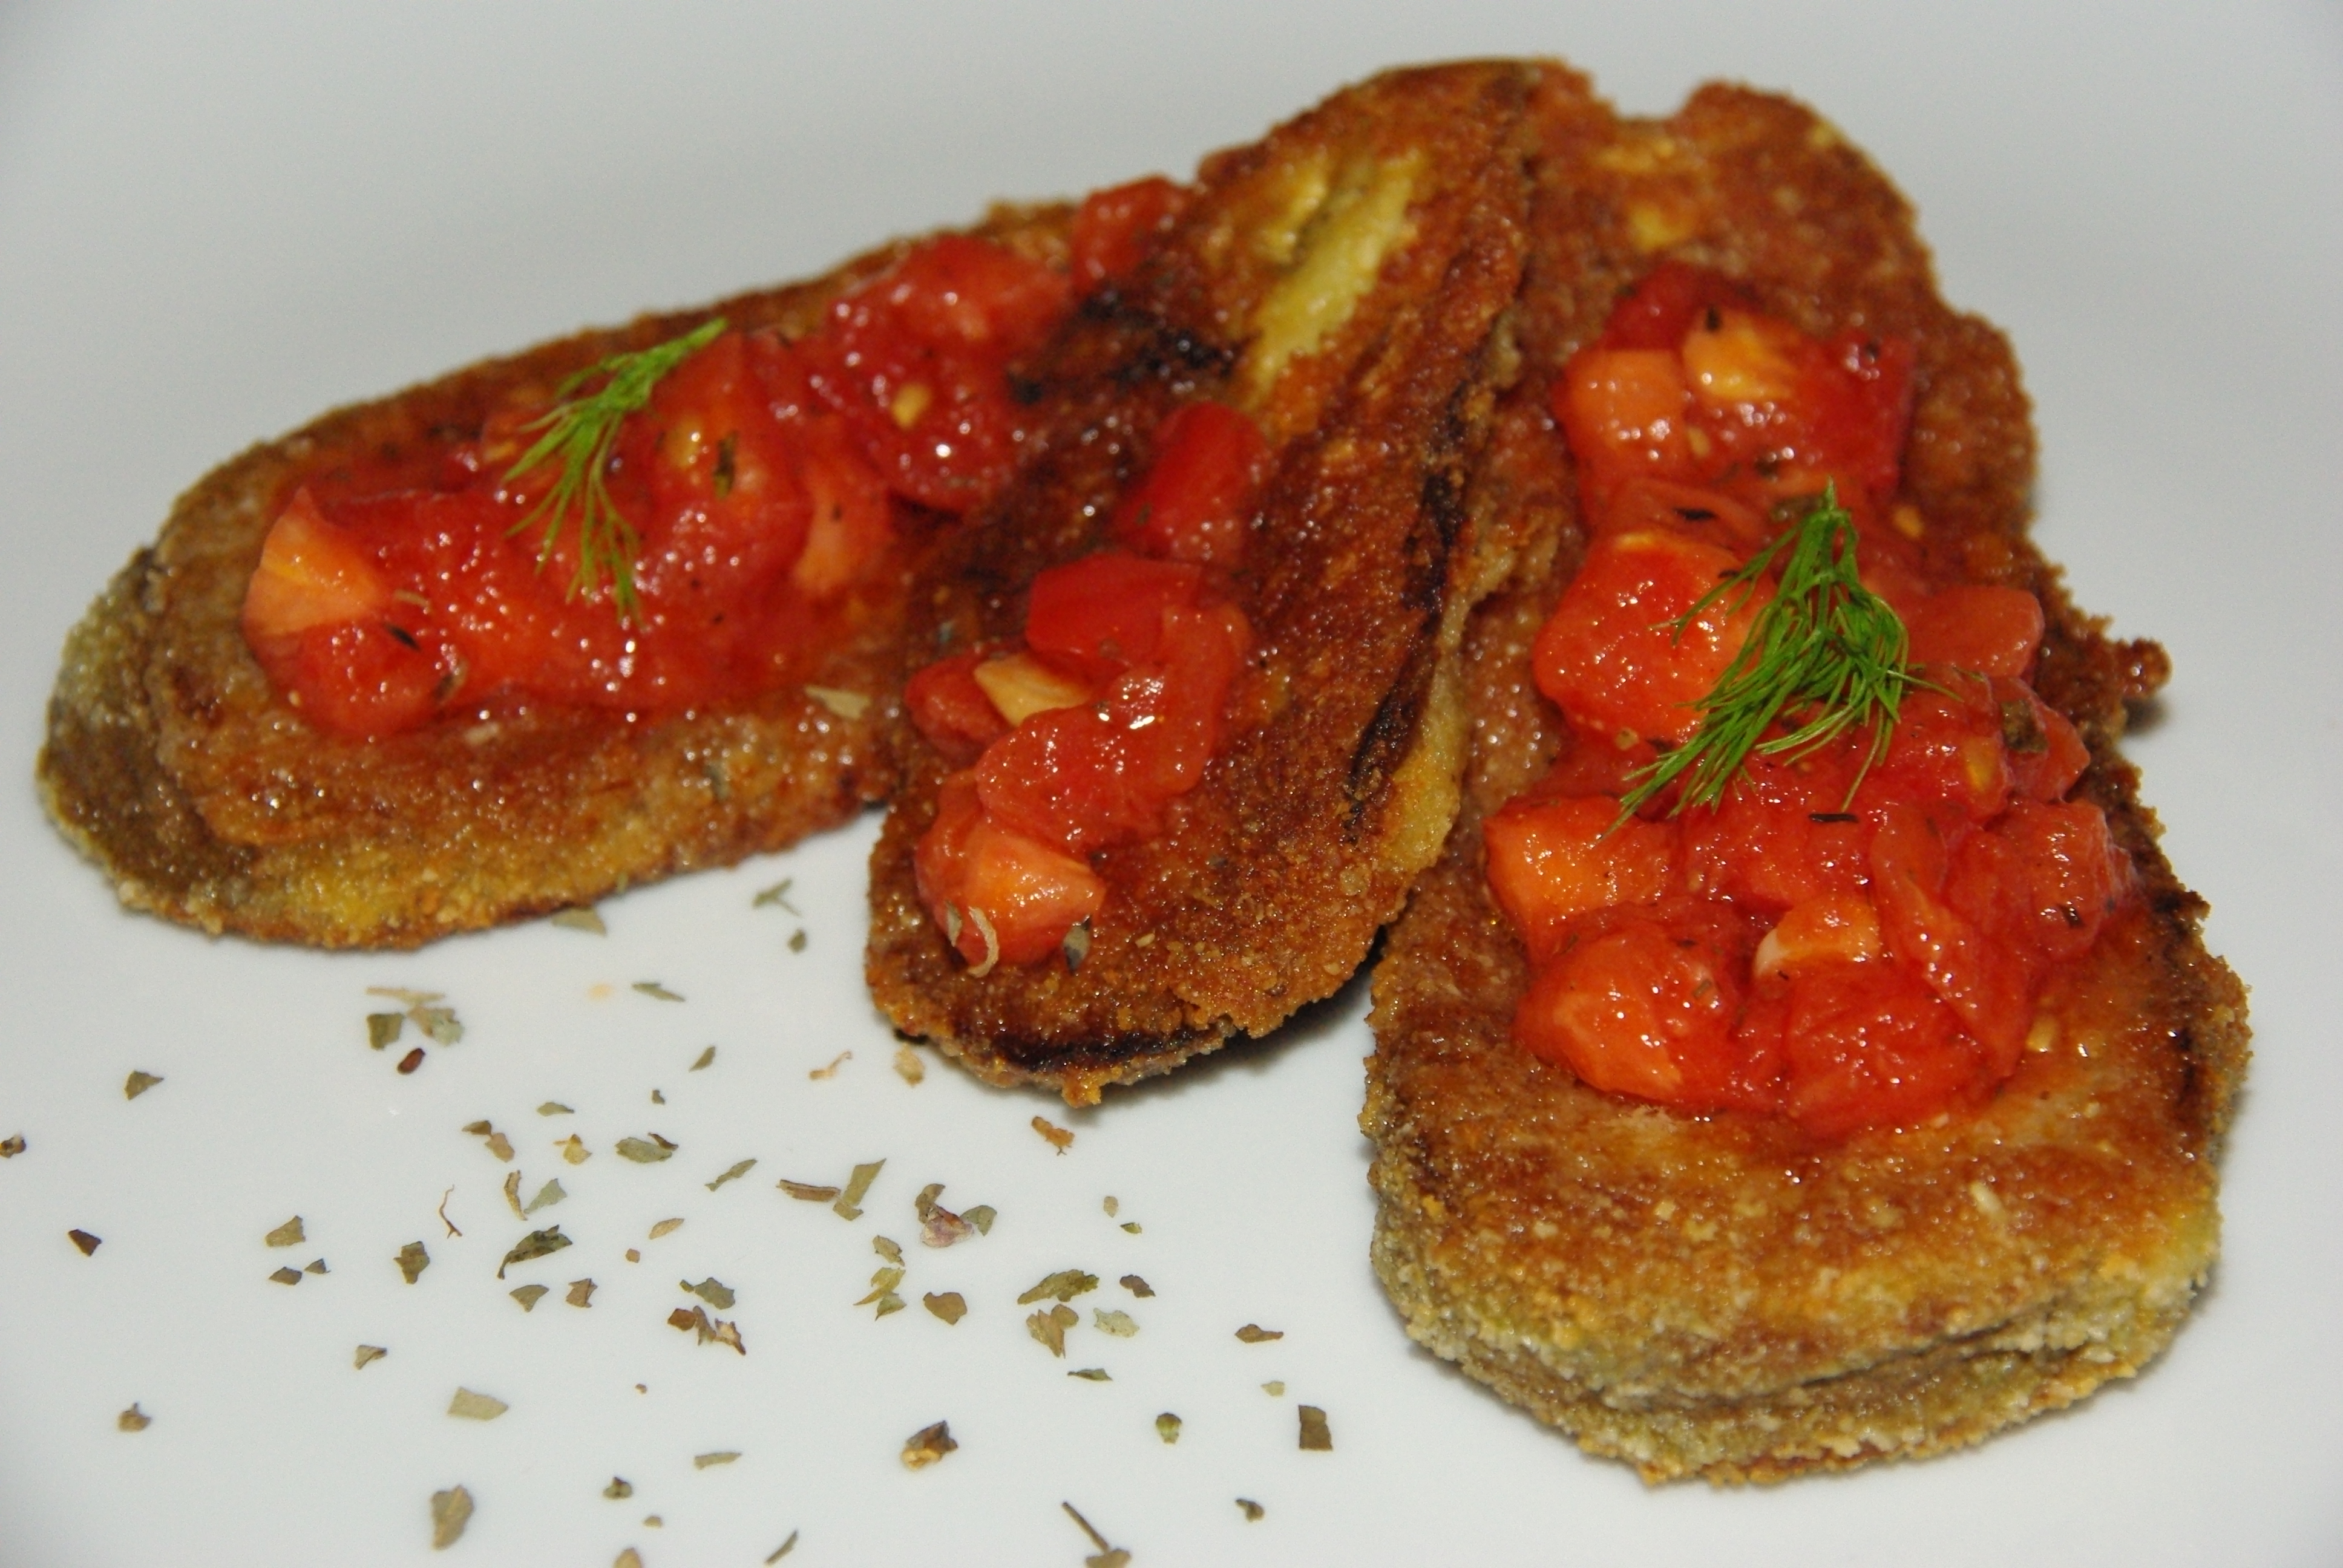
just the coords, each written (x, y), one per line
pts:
(1844, 939)
(1113, 227)
(1193, 502)
(1611, 654)
(755, 486)
(951, 709)
(1104, 613)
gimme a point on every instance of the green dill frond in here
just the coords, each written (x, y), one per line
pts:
(579, 432)
(1824, 657)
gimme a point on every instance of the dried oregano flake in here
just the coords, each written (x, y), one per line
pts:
(706, 1058)
(948, 1305)
(778, 893)
(573, 1149)
(733, 1172)
(1091, 1374)
(133, 1420)
(1110, 1322)
(1167, 1427)
(1048, 1329)
(528, 1296)
(926, 1445)
(668, 1227)
(713, 1290)
(536, 1245)
(581, 1293)
(583, 918)
(939, 1226)
(1250, 1509)
(651, 988)
(646, 1151)
(1135, 1285)
(413, 1260)
(619, 1487)
(807, 1191)
(474, 1406)
(315, 1266)
(12, 1146)
(1254, 1334)
(783, 1550)
(554, 1106)
(287, 1276)
(288, 1234)
(84, 1240)
(368, 1354)
(451, 1511)
(1106, 1556)
(858, 1187)
(1315, 1436)
(721, 1456)
(138, 1083)
(1065, 1285)
(723, 1332)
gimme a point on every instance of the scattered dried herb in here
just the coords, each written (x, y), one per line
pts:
(665, 1227)
(138, 1083)
(713, 1290)
(1106, 1556)
(619, 1487)
(474, 1406)
(288, 1234)
(315, 1266)
(439, 1023)
(706, 1059)
(629, 1558)
(287, 1276)
(939, 1226)
(1316, 1437)
(807, 1191)
(411, 1060)
(450, 1193)
(12, 1146)
(783, 1550)
(412, 1261)
(384, 1029)
(1253, 1334)
(739, 1168)
(1167, 1427)
(134, 1420)
(1091, 1374)
(1250, 1509)
(1065, 1285)
(658, 1097)
(555, 1107)
(581, 1293)
(981, 1217)
(778, 893)
(536, 1245)
(1112, 1206)
(907, 1065)
(451, 1511)
(721, 1456)
(888, 1248)
(1110, 1322)
(498, 1144)
(1057, 1137)
(1048, 1329)
(882, 1291)
(573, 1149)
(926, 1445)
(582, 919)
(1274, 1388)
(1135, 1285)
(798, 940)
(512, 1195)
(368, 1353)
(690, 1319)
(819, 1073)
(652, 988)
(645, 1152)
(550, 1194)
(528, 1296)
(633, 1256)
(1132, 1226)
(948, 1305)
(858, 1187)
(86, 1242)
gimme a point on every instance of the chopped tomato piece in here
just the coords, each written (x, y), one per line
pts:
(1868, 1044)
(1193, 503)
(1981, 982)
(1611, 654)
(1007, 897)
(1640, 1007)
(1834, 928)
(1551, 860)
(1103, 613)
(951, 709)
(1977, 627)
(1113, 227)
(311, 574)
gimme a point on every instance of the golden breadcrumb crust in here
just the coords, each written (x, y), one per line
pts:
(172, 763)
(1338, 778)
(1721, 1296)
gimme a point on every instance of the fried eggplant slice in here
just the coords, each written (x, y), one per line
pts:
(1721, 1296)
(172, 763)
(1346, 281)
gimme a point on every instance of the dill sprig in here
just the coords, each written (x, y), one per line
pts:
(1824, 657)
(580, 432)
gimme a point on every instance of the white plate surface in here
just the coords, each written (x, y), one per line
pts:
(215, 222)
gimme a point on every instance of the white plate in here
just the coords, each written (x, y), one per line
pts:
(215, 222)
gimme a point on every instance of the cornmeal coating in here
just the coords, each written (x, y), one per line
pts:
(1722, 1296)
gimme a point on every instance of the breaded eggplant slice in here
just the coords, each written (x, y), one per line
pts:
(172, 763)
(1346, 281)
(1719, 1296)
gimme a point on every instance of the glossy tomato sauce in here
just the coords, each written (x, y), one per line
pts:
(764, 480)
(1845, 937)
